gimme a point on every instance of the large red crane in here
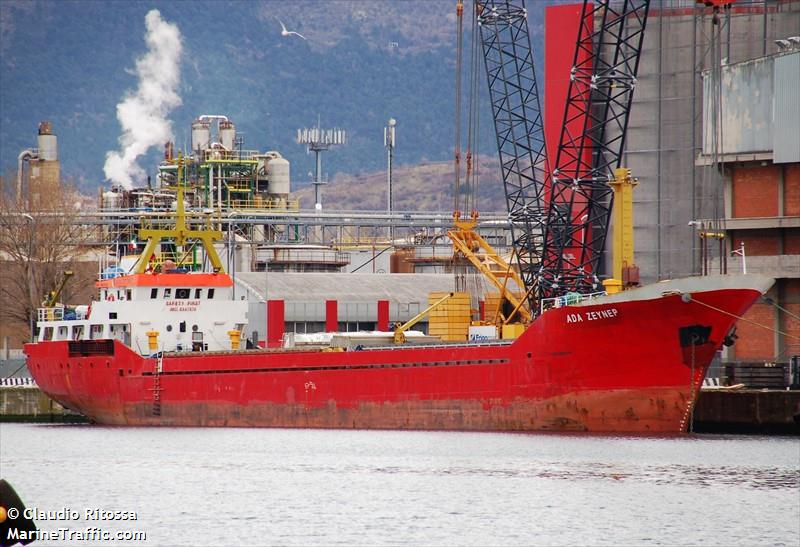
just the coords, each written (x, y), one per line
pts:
(560, 218)
(602, 82)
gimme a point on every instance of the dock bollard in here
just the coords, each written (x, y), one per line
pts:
(152, 339)
(236, 338)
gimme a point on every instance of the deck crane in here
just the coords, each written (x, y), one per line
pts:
(559, 221)
(514, 113)
(51, 298)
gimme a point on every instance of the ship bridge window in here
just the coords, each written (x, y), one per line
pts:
(153, 293)
(210, 293)
(77, 332)
(96, 331)
(183, 293)
(48, 333)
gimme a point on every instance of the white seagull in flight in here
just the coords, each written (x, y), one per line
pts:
(285, 32)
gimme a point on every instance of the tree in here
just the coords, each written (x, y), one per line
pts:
(38, 242)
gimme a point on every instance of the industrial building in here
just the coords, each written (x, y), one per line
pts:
(314, 302)
(665, 143)
(734, 68)
(761, 162)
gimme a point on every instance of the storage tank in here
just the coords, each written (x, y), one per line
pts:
(227, 134)
(200, 135)
(112, 200)
(48, 143)
(278, 175)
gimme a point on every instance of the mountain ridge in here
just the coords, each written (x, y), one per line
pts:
(364, 62)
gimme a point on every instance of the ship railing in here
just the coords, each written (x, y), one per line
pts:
(62, 313)
(569, 299)
(50, 314)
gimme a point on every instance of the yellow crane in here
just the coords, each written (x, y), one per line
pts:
(399, 331)
(51, 298)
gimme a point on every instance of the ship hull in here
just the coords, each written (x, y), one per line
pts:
(620, 365)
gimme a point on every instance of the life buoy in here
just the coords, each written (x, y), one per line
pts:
(110, 298)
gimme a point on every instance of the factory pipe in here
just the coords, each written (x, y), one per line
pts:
(28, 154)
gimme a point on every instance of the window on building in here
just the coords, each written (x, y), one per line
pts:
(129, 294)
(167, 293)
(183, 294)
(315, 326)
(153, 293)
(182, 325)
(112, 315)
(198, 293)
(210, 294)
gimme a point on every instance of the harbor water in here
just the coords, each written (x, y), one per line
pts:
(322, 487)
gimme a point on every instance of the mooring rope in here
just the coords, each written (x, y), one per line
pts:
(771, 302)
(740, 318)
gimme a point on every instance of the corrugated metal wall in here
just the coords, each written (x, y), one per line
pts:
(665, 135)
(745, 108)
(786, 136)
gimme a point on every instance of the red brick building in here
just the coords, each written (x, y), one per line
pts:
(759, 150)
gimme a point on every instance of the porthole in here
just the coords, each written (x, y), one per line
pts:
(169, 328)
(194, 328)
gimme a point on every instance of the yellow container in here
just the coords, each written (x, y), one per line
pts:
(450, 320)
(491, 302)
(512, 331)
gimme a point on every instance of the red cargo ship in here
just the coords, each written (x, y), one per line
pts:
(628, 362)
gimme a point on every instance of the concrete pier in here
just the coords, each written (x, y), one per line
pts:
(748, 411)
(29, 404)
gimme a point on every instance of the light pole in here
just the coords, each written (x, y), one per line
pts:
(388, 142)
(584, 218)
(740, 252)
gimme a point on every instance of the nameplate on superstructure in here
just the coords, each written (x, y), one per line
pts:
(182, 305)
(595, 315)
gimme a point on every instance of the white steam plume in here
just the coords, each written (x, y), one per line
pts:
(143, 114)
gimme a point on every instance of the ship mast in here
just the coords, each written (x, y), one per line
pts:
(181, 233)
